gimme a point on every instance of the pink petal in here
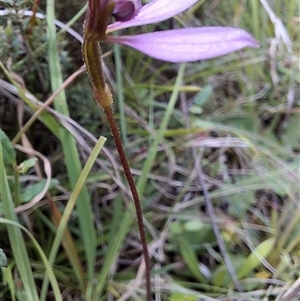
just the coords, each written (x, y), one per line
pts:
(188, 44)
(153, 12)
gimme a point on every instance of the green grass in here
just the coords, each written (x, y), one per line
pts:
(80, 240)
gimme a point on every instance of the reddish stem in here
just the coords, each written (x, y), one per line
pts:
(139, 214)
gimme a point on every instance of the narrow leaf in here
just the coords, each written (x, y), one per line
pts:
(255, 258)
(190, 258)
(16, 240)
(9, 154)
(3, 259)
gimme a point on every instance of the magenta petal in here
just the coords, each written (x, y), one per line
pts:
(155, 11)
(188, 44)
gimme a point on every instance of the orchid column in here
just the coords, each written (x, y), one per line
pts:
(180, 45)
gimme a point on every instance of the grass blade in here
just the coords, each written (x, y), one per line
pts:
(141, 185)
(49, 271)
(112, 253)
(15, 236)
(70, 206)
(87, 229)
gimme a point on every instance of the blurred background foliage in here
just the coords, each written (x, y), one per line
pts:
(243, 116)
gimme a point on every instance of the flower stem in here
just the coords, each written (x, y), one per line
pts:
(137, 203)
(92, 57)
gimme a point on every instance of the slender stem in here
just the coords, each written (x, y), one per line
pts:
(92, 57)
(138, 209)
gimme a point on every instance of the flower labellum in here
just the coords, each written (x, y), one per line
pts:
(126, 10)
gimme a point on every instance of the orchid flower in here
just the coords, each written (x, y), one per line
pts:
(176, 45)
(179, 45)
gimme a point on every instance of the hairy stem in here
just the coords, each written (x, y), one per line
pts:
(138, 209)
(92, 57)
